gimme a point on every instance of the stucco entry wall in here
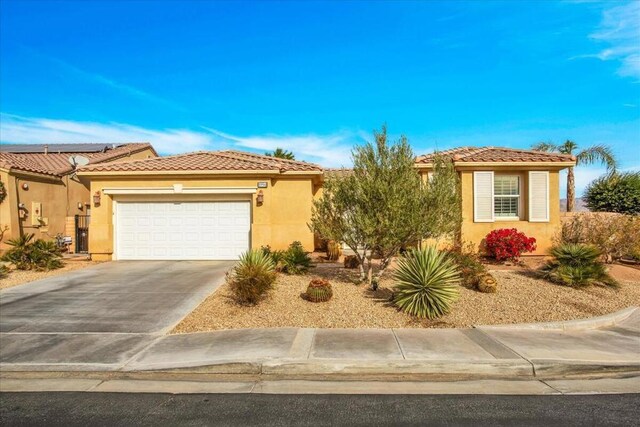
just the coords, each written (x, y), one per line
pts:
(544, 232)
(279, 220)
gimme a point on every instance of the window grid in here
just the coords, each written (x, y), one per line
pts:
(506, 190)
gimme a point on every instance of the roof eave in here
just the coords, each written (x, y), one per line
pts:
(180, 172)
(40, 175)
(554, 164)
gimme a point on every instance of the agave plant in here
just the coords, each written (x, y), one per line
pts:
(576, 264)
(252, 277)
(427, 283)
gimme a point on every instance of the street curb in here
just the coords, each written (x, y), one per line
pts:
(455, 368)
(403, 370)
(571, 325)
(551, 368)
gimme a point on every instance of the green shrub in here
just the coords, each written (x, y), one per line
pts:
(276, 256)
(427, 282)
(295, 260)
(4, 271)
(616, 192)
(469, 265)
(27, 254)
(252, 277)
(576, 265)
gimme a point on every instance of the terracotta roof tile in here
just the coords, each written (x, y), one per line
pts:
(57, 163)
(496, 154)
(206, 161)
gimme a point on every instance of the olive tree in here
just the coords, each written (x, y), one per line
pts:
(384, 205)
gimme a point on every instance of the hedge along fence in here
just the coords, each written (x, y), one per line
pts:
(615, 235)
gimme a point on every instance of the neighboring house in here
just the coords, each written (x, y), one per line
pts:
(43, 193)
(216, 205)
(198, 206)
(507, 188)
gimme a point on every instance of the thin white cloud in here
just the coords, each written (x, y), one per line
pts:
(333, 150)
(620, 30)
(28, 130)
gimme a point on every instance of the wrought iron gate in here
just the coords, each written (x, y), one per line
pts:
(82, 234)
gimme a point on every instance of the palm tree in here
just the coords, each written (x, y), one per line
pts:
(597, 153)
(281, 154)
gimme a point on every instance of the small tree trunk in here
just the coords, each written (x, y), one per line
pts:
(571, 190)
(370, 270)
(362, 273)
(383, 266)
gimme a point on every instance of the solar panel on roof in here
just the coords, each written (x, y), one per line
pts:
(57, 148)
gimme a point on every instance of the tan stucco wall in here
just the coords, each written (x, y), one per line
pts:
(544, 232)
(278, 221)
(59, 198)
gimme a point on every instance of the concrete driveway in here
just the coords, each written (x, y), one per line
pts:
(104, 312)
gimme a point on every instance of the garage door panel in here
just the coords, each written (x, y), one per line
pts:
(189, 230)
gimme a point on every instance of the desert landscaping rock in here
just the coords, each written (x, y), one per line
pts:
(521, 298)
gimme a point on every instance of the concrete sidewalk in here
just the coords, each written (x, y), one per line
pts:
(609, 345)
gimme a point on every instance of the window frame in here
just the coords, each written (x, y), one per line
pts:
(519, 197)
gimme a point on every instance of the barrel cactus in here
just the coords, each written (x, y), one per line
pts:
(319, 290)
(487, 283)
(334, 250)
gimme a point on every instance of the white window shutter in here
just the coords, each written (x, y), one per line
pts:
(483, 196)
(538, 196)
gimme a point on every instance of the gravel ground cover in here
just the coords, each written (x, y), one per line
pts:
(521, 298)
(20, 277)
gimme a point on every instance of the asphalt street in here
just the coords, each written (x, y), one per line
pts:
(109, 409)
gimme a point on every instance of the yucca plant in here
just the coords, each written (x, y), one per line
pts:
(427, 283)
(576, 264)
(252, 277)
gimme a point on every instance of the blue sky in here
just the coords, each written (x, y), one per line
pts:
(318, 77)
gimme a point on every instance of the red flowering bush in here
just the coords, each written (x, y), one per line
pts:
(508, 243)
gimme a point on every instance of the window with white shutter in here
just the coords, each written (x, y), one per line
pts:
(539, 196)
(483, 196)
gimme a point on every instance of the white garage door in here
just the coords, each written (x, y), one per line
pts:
(182, 231)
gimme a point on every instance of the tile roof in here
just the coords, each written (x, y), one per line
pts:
(227, 160)
(57, 163)
(496, 154)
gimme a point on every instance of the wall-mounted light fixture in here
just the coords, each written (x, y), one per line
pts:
(80, 206)
(25, 186)
(96, 199)
(260, 198)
